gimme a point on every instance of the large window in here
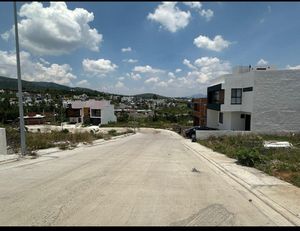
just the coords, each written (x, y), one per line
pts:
(236, 96)
(216, 97)
(96, 112)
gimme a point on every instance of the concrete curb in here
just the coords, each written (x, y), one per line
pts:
(45, 152)
(285, 212)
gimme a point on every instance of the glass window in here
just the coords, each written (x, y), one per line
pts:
(96, 112)
(236, 96)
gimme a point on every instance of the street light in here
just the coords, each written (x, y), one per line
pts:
(20, 95)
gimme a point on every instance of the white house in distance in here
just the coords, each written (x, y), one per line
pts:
(96, 112)
(260, 99)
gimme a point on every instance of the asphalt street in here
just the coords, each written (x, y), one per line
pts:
(147, 179)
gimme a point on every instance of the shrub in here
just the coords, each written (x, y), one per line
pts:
(129, 130)
(112, 132)
(63, 146)
(65, 131)
(248, 157)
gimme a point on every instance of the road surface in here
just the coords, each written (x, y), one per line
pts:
(150, 178)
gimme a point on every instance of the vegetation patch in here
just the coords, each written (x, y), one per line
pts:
(248, 150)
(62, 139)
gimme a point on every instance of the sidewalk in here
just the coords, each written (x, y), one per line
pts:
(281, 196)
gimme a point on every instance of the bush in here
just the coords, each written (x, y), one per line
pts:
(112, 132)
(63, 146)
(65, 131)
(248, 157)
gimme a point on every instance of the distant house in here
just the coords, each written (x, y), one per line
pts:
(199, 111)
(34, 119)
(255, 99)
(92, 111)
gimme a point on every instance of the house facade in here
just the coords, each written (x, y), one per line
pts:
(199, 111)
(92, 111)
(255, 99)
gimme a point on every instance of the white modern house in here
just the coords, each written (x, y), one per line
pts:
(260, 99)
(96, 112)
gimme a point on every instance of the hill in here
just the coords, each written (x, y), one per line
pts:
(31, 86)
(150, 96)
(45, 87)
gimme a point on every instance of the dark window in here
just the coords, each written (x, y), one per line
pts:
(236, 96)
(216, 97)
(96, 112)
(242, 116)
(247, 89)
(221, 117)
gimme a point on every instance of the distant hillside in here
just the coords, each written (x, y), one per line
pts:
(32, 86)
(12, 84)
(150, 96)
(198, 96)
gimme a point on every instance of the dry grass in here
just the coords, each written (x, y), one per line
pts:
(283, 163)
(62, 139)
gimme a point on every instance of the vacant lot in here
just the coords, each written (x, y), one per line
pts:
(62, 139)
(283, 163)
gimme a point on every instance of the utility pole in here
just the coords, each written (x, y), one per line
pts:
(20, 94)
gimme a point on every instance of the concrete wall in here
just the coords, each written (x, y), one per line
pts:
(3, 145)
(226, 125)
(277, 101)
(212, 119)
(232, 121)
(203, 135)
(107, 114)
(238, 81)
(237, 123)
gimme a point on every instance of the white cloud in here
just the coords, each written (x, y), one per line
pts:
(35, 71)
(44, 61)
(196, 5)
(121, 78)
(170, 17)
(178, 70)
(206, 61)
(171, 75)
(152, 80)
(207, 14)
(82, 82)
(188, 63)
(146, 69)
(204, 70)
(130, 60)
(217, 44)
(293, 68)
(119, 84)
(55, 30)
(128, 49)
(262, 62)
(170, 81)
(162, 84)
(98, 67)
(134, 76)
(5, 36)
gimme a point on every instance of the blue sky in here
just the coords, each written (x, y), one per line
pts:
(173, 48)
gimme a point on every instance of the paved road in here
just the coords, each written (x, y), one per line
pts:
(150, 178)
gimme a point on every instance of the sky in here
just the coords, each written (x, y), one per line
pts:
(170, 48)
